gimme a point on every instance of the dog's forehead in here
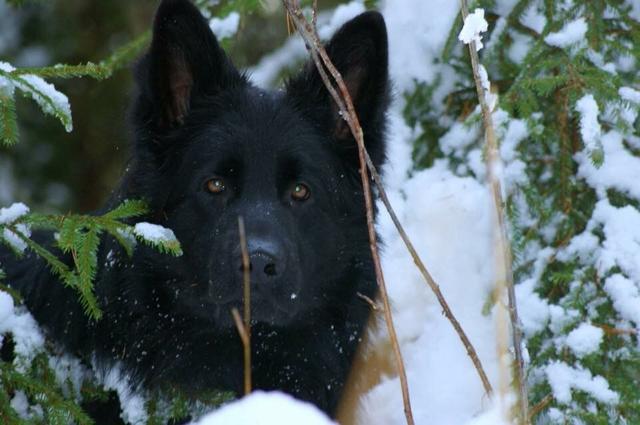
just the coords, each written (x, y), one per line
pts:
(258, 125)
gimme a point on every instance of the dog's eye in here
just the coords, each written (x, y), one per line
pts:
(300, 192)
(215, 185)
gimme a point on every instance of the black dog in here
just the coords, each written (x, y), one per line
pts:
(210, 147)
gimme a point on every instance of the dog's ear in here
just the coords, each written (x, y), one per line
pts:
(360, 53)
(183, 62)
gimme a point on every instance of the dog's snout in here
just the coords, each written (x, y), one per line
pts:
(267, 260)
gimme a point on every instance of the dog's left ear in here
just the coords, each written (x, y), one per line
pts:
(359, 50)
(184, 61)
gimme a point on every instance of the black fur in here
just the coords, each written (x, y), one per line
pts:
(196, 118)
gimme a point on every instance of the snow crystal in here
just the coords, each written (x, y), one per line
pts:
(562, 378)
(225, 27)
(625, 295)
(474, 25)
(266, 408)
(10, 214)
(154, 233)
(572, 33)
(589, 126)
(585, 339)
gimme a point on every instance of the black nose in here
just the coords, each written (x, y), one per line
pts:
(263, 266)
(266, 261)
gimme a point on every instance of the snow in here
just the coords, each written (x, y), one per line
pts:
(50, 100)
(6, 87)
(589, 126)
(621, 245)
(563, 378)
(154, 233)
(10, 214)
(438, 221)
(26, 334)
(625, 295)
(266, 408)
(608, 175)
(14, 240)
(572, 33)
(225, 27)
(132, 402)
(585, 339)
(265, 72)
(474, 26)
(629, 94)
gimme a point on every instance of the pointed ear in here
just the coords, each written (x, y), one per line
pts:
(359, 50)
(183, 62)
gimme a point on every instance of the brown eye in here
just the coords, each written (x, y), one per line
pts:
(300, 192)
(216, 185)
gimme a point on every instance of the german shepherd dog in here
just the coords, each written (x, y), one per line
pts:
(210, 147)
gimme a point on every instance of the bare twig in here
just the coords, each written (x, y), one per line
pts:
(246, 340)
(309, 34)
(246, 344)
(315, 48)
(505, 275)
(369, 301)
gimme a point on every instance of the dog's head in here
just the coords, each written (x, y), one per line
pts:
(211, 147)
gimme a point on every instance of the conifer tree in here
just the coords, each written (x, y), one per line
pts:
(566, 80)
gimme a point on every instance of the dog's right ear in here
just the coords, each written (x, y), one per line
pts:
(184, 62)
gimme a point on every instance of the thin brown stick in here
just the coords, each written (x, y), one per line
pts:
(309, 34)
(246, 342)
(535, 410)
(506, 277)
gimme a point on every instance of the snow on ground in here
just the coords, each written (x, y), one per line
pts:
(262, 408)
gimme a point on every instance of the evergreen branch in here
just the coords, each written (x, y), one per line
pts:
(89, 69)
(57, 266)
(126, 53)
(100, 71)
(8, 120)
(130, 208)
(85, 256)
(46, 103)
